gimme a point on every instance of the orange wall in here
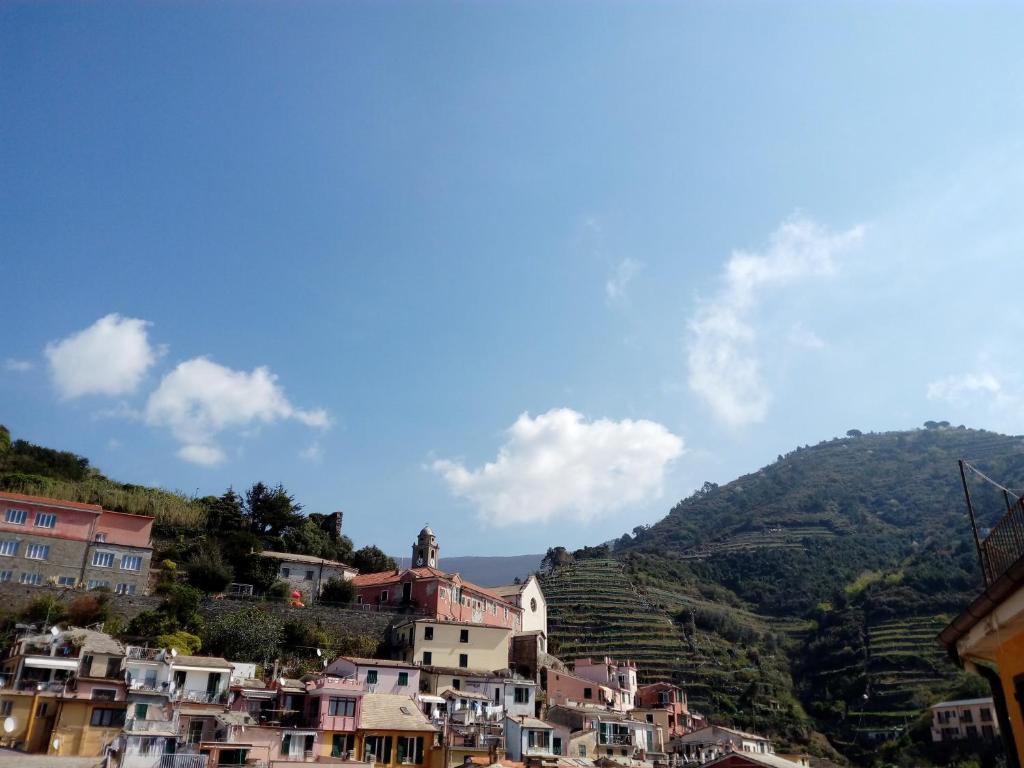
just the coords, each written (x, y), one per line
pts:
(129, 530)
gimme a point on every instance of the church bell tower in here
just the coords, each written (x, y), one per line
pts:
(425, 550)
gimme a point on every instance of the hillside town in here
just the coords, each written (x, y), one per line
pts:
(463, 677)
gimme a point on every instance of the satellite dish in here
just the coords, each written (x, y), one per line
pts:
(174, 652)
(280, 682)
(10, 724)
(56, 743)
(319, 652)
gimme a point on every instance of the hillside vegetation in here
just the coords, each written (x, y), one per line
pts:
(806, 595)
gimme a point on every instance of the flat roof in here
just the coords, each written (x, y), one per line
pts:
(963, 703)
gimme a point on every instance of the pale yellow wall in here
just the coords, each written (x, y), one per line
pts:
(20, 711)
(1010, 658)
(77, 737)
(487, 647)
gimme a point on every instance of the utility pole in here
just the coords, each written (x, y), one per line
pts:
(974, 523)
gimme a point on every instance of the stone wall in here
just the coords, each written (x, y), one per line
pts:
(14, 597)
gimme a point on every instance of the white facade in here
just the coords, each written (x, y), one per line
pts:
(199, 679)
(309, 575)
(530, 598)
(528, 737)
(964, 719)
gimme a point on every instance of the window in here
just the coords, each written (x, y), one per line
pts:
(341, 744)
(45, 520)
(410, 750)
(67, 581)
(403, 678)
(986, 715)
(98, 584)
(538, 739)
(101, 538)
(309, 575)
(286, 572)
(125, 589)
(6, 707)
(428, 657)
(103, 559)
(114, 718)
(463, 660)
(966, 716)
(582, 748)
(987, 731)
(104, 694)
(384, 599)
(377, 748)
(506, 615)
(428, 633)
(5, 576)
(522, 695)
(131, 563)
(16, 516)
(195, 732)
(456, 684)
(341, 707)
(141, 710)
(556, 745)
(533, 604)
(9, 548)
(650, 718)
(588, 693)
(42, 709)
(38, 552)
(371, 677)
(463, 635)
(34, 579)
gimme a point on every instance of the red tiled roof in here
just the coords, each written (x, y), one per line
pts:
(44, 501)
(426, 572)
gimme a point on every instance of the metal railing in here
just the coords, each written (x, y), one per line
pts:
(135, 725)
(1004, 544)
(183, 761)
(200, 696)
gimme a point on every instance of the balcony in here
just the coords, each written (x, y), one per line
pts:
(200, 696)
(1004, 544)
(334, 684)
(335, 723)
(182, 761)
(141, 653)
(153, 727)
(618, 740)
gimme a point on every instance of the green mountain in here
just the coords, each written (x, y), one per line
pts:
(803, 598)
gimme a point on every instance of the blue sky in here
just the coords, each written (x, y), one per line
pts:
(530, 272)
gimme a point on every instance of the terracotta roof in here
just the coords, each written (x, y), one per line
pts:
(458, 694)
(378, 662)
(294, 558)
(425, 572)
(506, 590)
(531, 722)
(757, 758)
(391, 712)
(44, 501)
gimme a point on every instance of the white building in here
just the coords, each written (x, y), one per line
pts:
(307, 574)
(713, 741)
(528, 737)
(964, 719)
(530, 598)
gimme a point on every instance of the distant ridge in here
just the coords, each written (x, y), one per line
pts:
(487, 571)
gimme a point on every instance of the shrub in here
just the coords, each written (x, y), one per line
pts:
(338, 591)
(182, 641)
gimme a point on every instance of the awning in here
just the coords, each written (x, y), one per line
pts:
(50, 662)
(247, 693)
(188, 668)
(292, 732)
(428, 699)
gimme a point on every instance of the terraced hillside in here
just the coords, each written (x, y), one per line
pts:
(596, 609)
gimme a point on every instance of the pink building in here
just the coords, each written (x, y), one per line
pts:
(666, 705)
(439, 595)
(377, 675)
(565, 688)
(619, 676)
(68, 543)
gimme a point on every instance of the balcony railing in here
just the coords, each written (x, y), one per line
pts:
(183, 761)
(1004, 544)
(135, 725)
(199, 696)
(142, 653)
(617, 740)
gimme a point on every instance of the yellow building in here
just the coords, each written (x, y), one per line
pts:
(395, 732)
(432, 642)
(988, 637)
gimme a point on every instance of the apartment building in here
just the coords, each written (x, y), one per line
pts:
(964, 719)
(594, 732)
(433, 642)
(664, 705)
(67, 543)
(619, 677)
(378, 675)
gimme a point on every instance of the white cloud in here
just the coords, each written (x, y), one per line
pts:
(18, 366)
(199, 399)
(724, 367)
(560, 464)
(622, 275)
(110, 357)
(959, 387)
(313, 453)
(799, 336)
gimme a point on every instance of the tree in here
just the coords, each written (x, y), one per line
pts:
(854, 433)
(208, 571)
(338, 591)
(250, 634)
(271, 512)
(370, 559)
(89, 609)
(181, 641)
(5, 439)
(225, 513)
(556, 557)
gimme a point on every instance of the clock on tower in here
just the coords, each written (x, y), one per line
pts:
(425, 552)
